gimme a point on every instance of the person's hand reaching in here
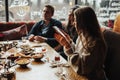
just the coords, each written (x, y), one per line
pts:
(64, 41)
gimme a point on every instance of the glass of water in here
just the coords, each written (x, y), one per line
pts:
(24, 39)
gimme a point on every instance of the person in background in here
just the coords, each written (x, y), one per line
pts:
(87, 56)
(43, 30)
(116, 26)
(70, 28)
(112, 61)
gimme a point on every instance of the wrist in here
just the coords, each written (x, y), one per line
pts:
(68, 51)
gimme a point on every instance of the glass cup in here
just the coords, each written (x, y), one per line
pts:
(58, 64)
(24, 39)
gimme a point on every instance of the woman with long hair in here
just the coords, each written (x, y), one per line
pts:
(70, 28)
(87, 55)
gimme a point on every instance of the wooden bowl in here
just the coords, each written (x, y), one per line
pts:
(23, 62)
(38, 56)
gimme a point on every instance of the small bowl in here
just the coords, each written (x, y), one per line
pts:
(38, 56)
(23, 62)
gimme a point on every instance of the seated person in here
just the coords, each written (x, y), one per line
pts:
(43, 30)
(70, 28)
(87, 55)
(112, 61)
(116, 26)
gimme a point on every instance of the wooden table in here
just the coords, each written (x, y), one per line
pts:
(42, 70)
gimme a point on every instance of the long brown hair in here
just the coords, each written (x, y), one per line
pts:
(87, 25)
(69, 24)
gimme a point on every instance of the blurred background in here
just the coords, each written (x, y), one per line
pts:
(31, 10)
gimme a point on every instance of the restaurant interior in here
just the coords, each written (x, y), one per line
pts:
(17, 18)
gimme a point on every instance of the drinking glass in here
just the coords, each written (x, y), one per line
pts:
(44, 51)
(57, 59)
(24, 39)
(59, 65)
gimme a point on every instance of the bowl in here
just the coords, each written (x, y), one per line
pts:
(27, 51)
(37, 56)
(23, 62)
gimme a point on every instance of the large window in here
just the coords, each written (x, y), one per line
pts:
(2, 10)
(31, 10)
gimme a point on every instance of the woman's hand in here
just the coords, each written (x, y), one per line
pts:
(64, 41)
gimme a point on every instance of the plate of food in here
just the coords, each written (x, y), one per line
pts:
(23, 62)
(37, 56)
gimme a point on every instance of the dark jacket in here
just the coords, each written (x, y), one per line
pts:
(112, 62)
(46, 31)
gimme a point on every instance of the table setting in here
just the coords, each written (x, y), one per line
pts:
(35, 59)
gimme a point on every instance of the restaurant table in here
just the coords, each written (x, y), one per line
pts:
(42, 70)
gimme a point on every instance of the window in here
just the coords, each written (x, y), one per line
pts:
(2, 10)
(30, 10)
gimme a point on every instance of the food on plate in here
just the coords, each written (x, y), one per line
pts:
(22, 62)
(37, 56)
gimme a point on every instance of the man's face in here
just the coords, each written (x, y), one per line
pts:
(47, 14)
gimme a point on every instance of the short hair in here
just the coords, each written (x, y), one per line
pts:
(51, 8)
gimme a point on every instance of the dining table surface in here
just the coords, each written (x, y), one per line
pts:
(43, 69)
